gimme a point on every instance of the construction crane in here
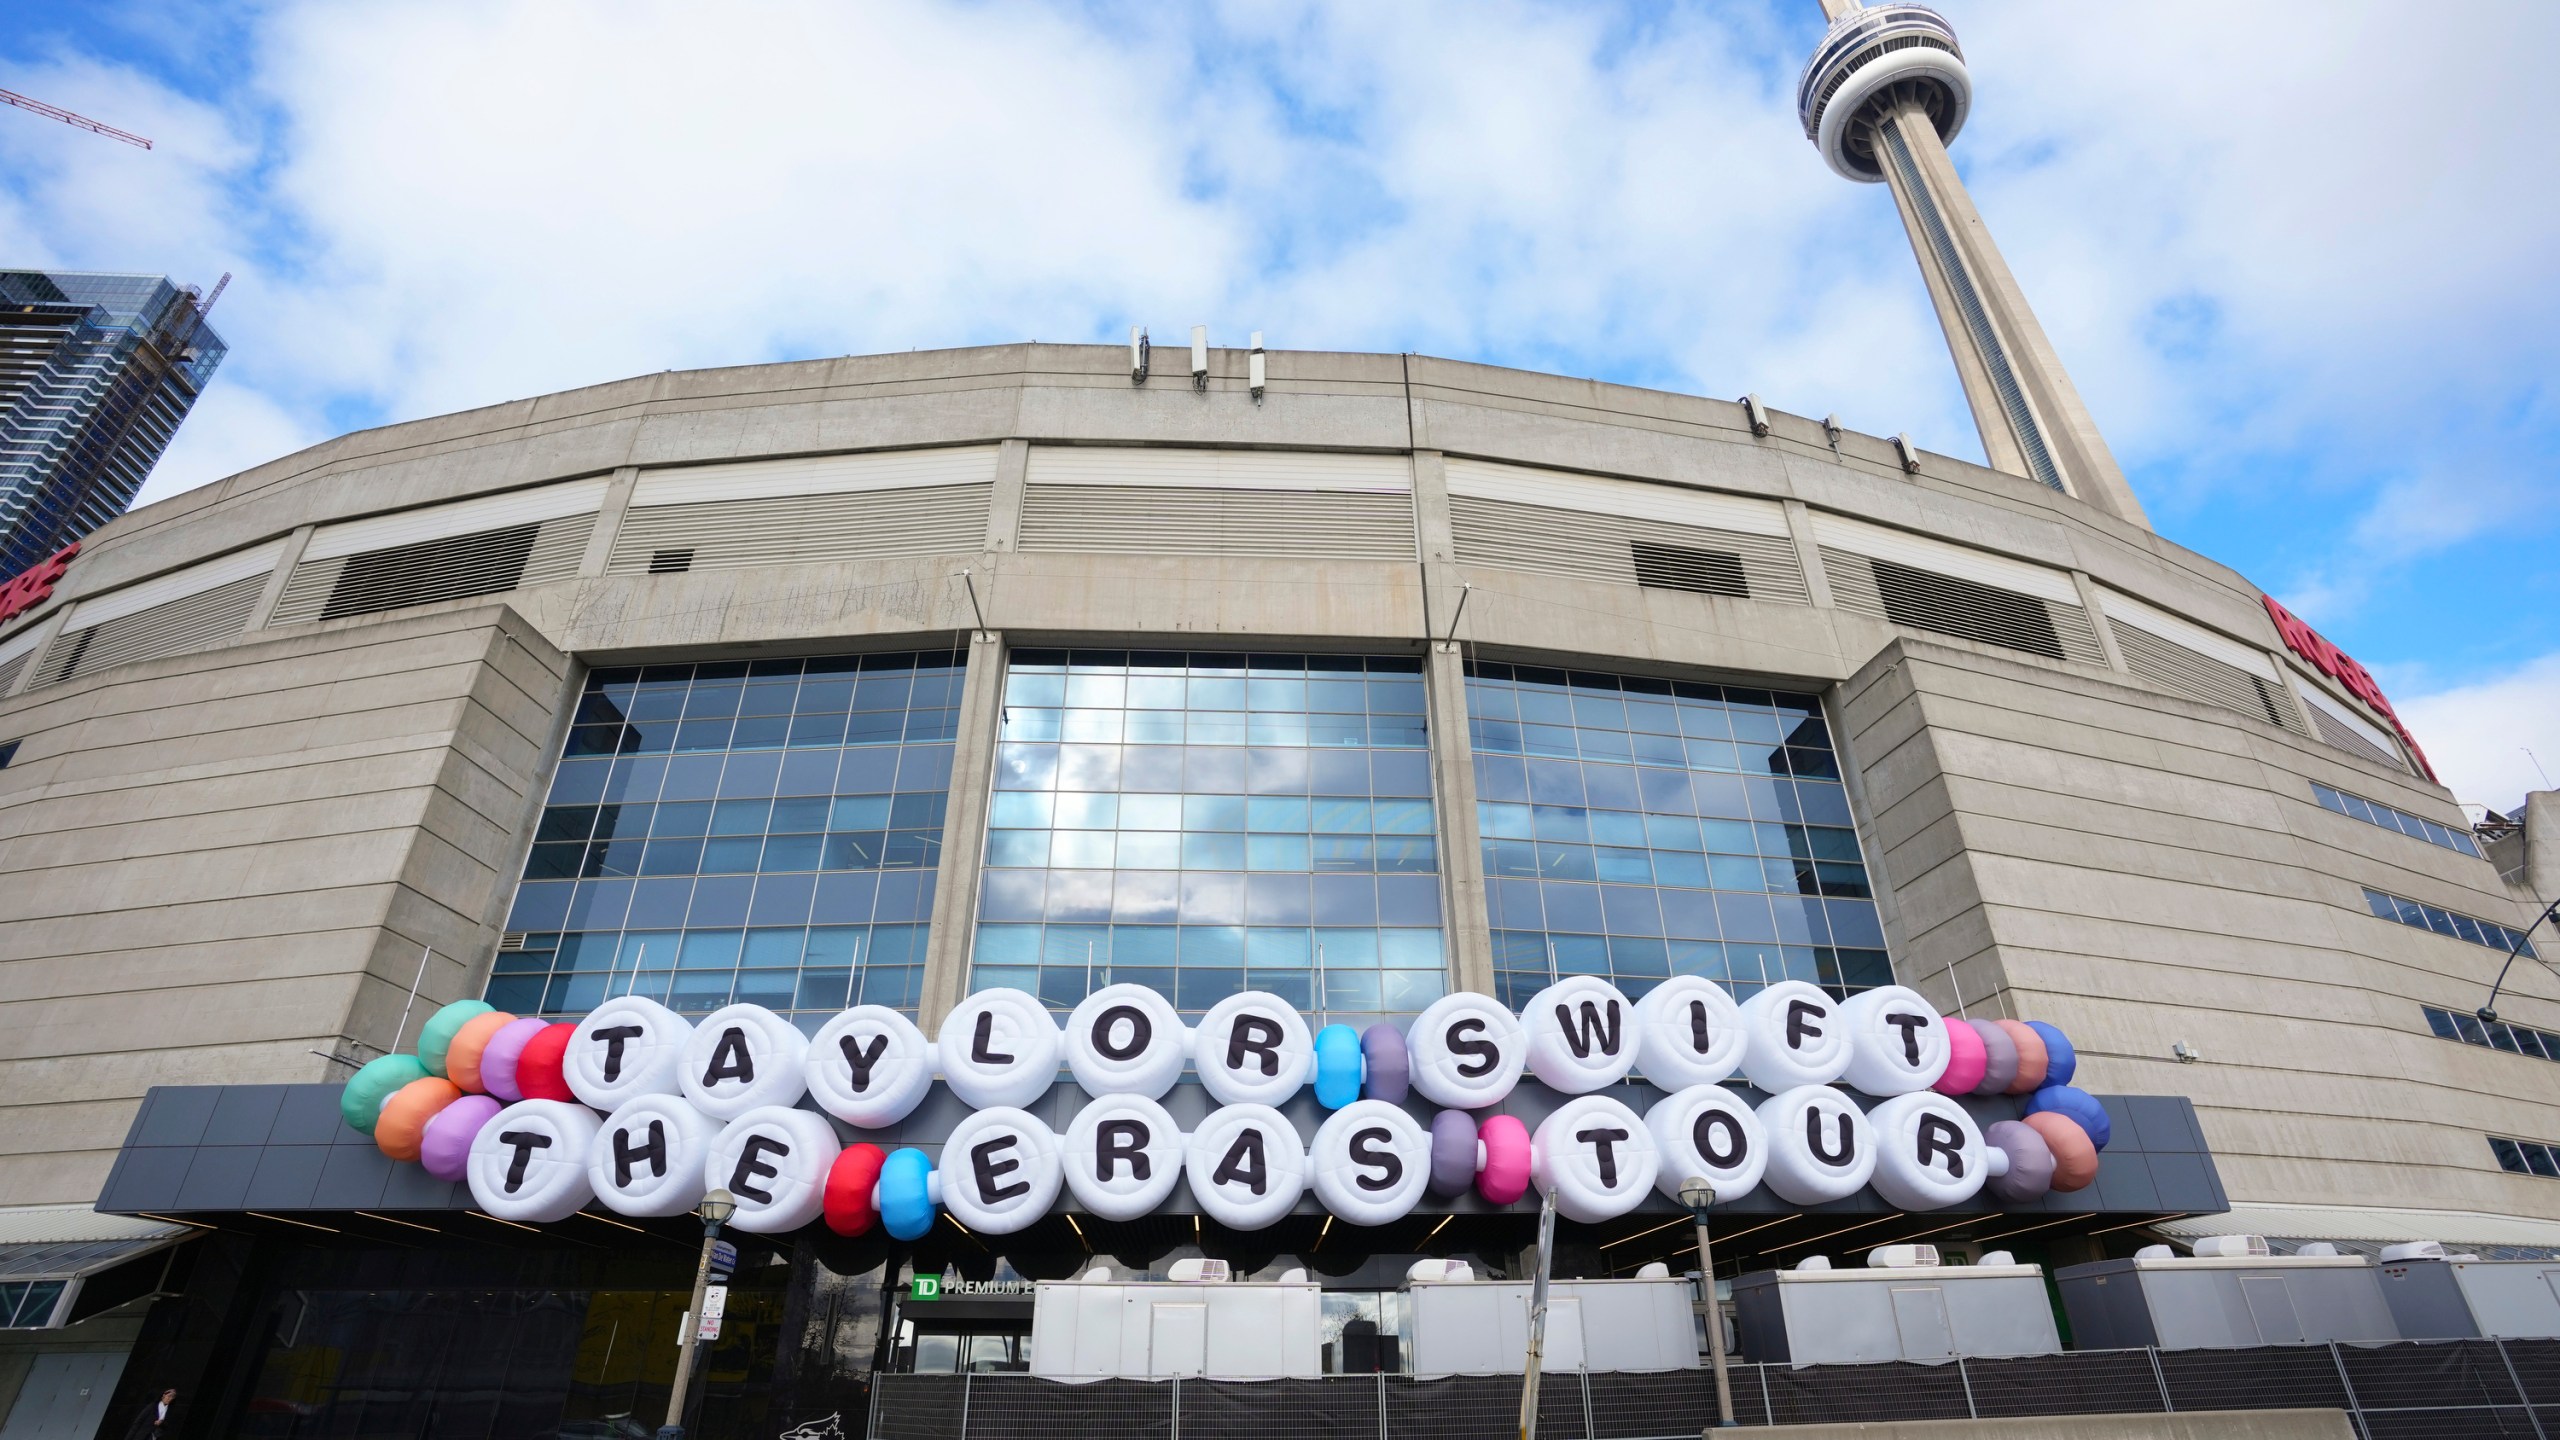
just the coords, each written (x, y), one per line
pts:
(56, 112)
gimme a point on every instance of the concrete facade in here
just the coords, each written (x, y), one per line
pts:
(220, 860)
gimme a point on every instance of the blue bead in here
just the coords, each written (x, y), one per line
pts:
(2079, 1105)
(906, 1205)
(2061, 1061)
(1337, 1066)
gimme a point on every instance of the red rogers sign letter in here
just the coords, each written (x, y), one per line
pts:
(2335, 663)
(32, 589)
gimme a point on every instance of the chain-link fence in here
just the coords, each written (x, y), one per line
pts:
(2418, 1390)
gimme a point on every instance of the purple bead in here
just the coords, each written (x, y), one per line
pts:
(1386, 1070)
(2001, 1052)
(445, 1149)
(1453, 1152)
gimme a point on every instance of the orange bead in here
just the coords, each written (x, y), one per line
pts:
(403, 1126)
(2033, 1059)
(2075, 1155)
(462, 1057)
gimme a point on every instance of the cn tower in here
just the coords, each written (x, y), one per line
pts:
(1884, 93)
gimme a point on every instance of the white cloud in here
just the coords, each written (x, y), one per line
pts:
(2477, 735)
(231, 429)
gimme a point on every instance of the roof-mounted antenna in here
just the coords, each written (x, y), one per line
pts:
(1141, 352)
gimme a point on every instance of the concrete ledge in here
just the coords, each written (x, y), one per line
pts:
(2204, 1425)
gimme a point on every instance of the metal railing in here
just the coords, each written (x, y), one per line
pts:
(2412, 1388)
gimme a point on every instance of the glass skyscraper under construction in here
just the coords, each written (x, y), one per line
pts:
(96, 372)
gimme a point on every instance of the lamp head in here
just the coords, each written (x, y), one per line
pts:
(1697, 1192)
(717, 1207)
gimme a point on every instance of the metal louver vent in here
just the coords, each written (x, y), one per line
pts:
(803, 529)
(12, 668)
(1625, 550)
(2198, 676)
(192, 622)
(2344, 736)
(1182, 520)
(1921, 599)
(448, 567)
(1686, 567)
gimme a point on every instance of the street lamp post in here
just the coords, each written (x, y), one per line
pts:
(1698, 1194)
(715, 1210)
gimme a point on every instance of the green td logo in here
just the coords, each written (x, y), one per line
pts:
(925, 1287)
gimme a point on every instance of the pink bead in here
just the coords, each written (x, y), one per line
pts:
(498, 1059)
(1506, 1159)
(1966, 1060)
(446, 1147)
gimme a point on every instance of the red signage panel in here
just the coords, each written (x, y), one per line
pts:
(26, 592)
(2329, 660)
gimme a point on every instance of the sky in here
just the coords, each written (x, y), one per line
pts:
(2297, 256)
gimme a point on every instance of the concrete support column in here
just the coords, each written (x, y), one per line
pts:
(1431, 523)
(617, 504)
(290, 557)
(1453, 783)
(1817, 581)
(964, 831)
(1004, 508)
(2098, 621)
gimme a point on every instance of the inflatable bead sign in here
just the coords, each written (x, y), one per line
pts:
(2028, 1173)
(1897, 1041)
(541, 1070)
(360, 1104)
(1966, 1059)
(1929, 1153)
(742, 1058)
(1505, 1159)
(1123, 1155)
(1707, 1130)
(1369, 1163)
(1245, 1166)
(1999, 1057)
(2032, 1059)
(1595, 1157)
(651, 1157)
(1337, 1066)
(401, 1128)
(1579, 1035)
(625, 1048)
(869, 1067)
(1688, 1032)
(500, 1058)
(2061, 1061)
(1820, 1145)
(998, 1048)
(1467, 1051)
(444, 1149)
(1252, 1049)
(529, 1163)
(1453, 1152)
(435, 1038)
(851, 1205)
(470, 1043)
(774, 1160)
(1000, 1170)
(1386, 1067)
(2075, 1157)
(2081, 1106)
(1794, 1037)
(905, 1194)
(1126, 1040)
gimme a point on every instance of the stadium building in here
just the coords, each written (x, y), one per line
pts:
(1361, 680)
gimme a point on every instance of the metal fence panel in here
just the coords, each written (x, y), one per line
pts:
(1345, 1409)
(2270, 1378)
(1839, 1394)
(2094, 1382)
(2499, 1423)
(1019, 1407)
(1467, 1407)
(2445, 1375)
(1671, 1402)
(916, 1407)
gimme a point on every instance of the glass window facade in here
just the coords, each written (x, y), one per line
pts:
(2374, 812)
(1636, 829)
(2419, 916)
(1207, 823)
(761, 831)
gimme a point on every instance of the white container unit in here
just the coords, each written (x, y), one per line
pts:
(1481, 1327)
(1153, 1330)
(1925, 1313)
